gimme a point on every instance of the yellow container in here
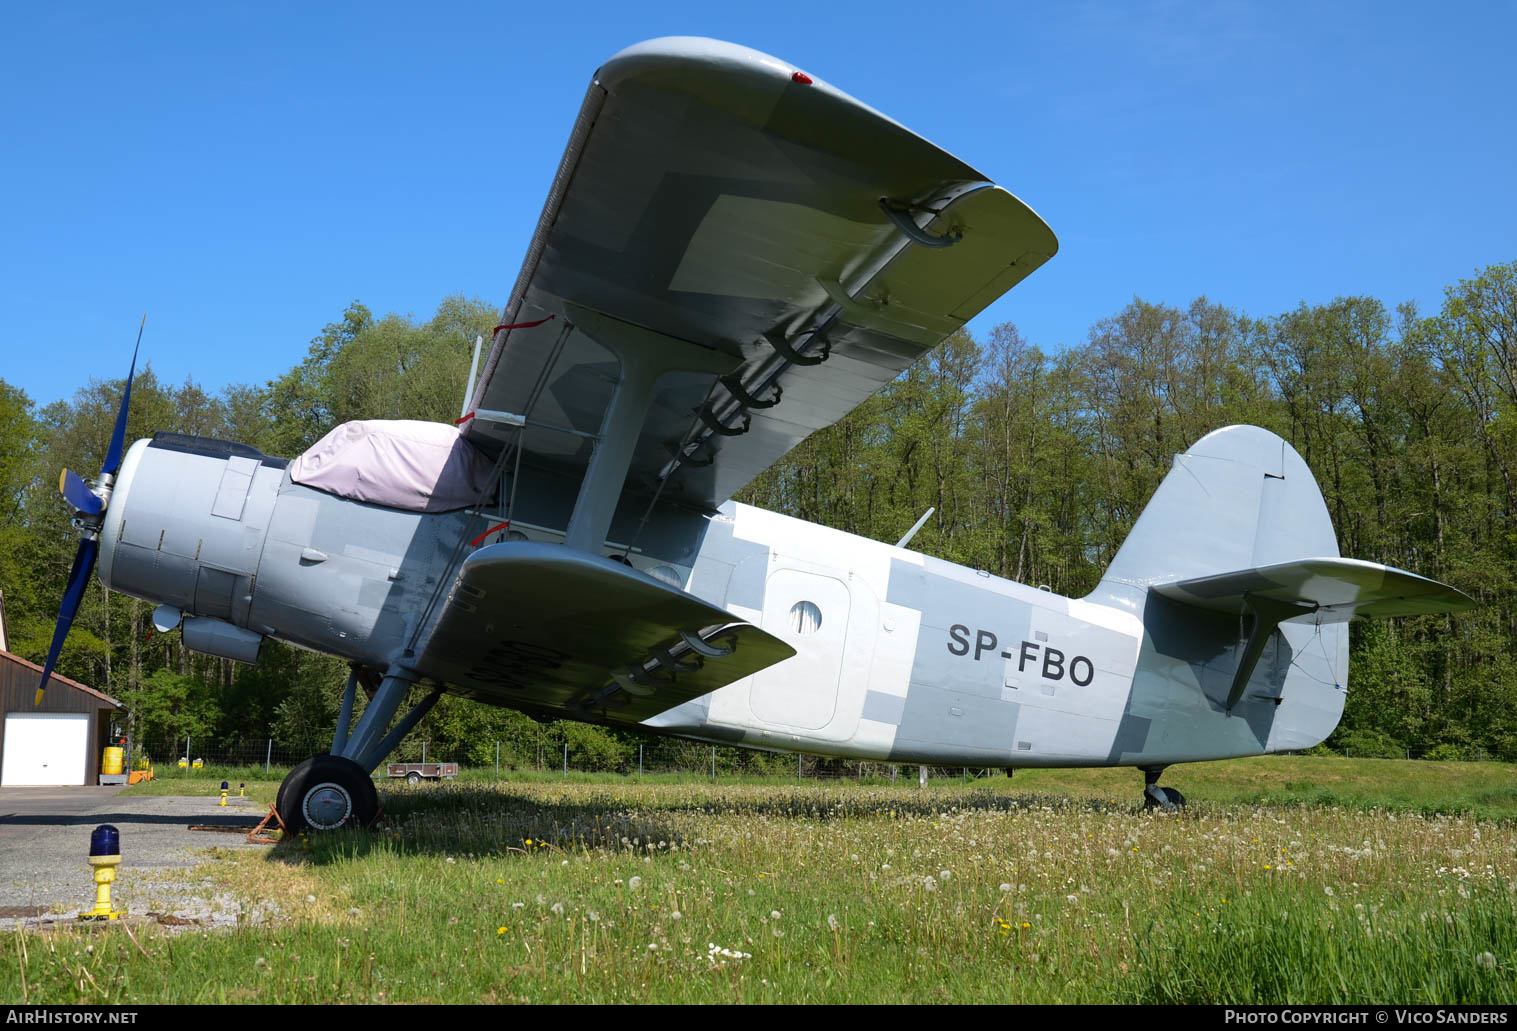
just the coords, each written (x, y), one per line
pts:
(112, 762)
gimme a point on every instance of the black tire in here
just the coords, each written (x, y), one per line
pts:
(327, 792)
(413, 778)
(1175, 799)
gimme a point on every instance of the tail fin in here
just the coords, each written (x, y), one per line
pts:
(1239, 527)
(1239, 498)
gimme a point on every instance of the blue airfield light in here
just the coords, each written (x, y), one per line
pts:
(105, 840)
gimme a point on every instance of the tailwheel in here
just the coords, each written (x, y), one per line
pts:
(327, 792)
(1173, 800)
(1155, 797)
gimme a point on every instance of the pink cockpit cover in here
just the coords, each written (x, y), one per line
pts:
(401, 463)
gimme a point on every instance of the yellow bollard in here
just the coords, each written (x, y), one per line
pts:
(240, 789)
(105, 856)
(224, 790)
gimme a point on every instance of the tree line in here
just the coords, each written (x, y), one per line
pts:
(1037, 461)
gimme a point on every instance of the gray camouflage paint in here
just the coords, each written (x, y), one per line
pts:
(936, 663)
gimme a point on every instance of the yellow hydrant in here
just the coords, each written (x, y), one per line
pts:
(224, 790)
(105, 856)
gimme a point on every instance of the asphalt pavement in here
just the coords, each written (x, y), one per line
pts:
(44, 845)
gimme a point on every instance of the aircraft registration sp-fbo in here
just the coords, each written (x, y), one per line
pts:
(732, 255)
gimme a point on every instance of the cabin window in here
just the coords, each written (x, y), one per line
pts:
(805, 618)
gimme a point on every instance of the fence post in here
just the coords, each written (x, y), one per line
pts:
(639, 762)
(497, 759)
(892, 774)
(186, 751)
(268, 755)
(566, 760)
(921, 776)
(797, 765)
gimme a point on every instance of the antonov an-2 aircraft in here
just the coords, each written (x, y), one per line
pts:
(733, 255)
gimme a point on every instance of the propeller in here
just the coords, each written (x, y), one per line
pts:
(91, 506)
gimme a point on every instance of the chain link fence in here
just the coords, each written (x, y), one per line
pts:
(654, 759)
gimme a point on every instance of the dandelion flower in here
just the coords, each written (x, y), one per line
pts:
(1005, 887)
(1486, 960)
(500, 930)
(635, 882)
(832, 921)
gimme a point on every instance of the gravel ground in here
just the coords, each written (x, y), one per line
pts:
(44, 843)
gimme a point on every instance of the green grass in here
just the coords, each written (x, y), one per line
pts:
(1487, 790)
(616, 891)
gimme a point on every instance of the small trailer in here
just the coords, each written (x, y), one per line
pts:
(415, 773)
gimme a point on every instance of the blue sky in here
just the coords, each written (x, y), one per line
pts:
(243, 171)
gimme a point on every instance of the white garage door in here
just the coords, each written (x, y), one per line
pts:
(45, 748)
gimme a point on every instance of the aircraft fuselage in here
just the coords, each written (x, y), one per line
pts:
(900, 656)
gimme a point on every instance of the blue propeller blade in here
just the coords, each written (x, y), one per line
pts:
(78, 493)
(85, 500)
(118, 436)
(78, 580)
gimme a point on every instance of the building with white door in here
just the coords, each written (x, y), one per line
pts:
(58, 742)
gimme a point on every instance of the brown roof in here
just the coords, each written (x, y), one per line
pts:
(60, 678)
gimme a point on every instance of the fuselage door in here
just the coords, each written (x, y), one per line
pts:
(810, 613)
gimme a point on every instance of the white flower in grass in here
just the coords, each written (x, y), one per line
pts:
(635, 883)
(943, 875)
(930, 883)
(557, 908)
(832, 922)
(1005, 887)
(1486, 960)
(774, 914)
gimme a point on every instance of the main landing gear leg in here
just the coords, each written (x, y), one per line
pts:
(1155, 797)
(334, 789)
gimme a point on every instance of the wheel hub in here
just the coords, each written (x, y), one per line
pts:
(327, 806)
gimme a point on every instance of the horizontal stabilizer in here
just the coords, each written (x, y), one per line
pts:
(1330, 590)
(545, 627)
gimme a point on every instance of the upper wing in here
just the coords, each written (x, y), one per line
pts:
(553, 629)
(719, 214)
(1332, 590)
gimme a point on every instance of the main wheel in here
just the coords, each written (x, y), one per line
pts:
(326, 792)
(413, 778)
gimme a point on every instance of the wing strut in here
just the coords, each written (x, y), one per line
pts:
(644, 356)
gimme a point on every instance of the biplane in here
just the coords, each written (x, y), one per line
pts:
(733, 254)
